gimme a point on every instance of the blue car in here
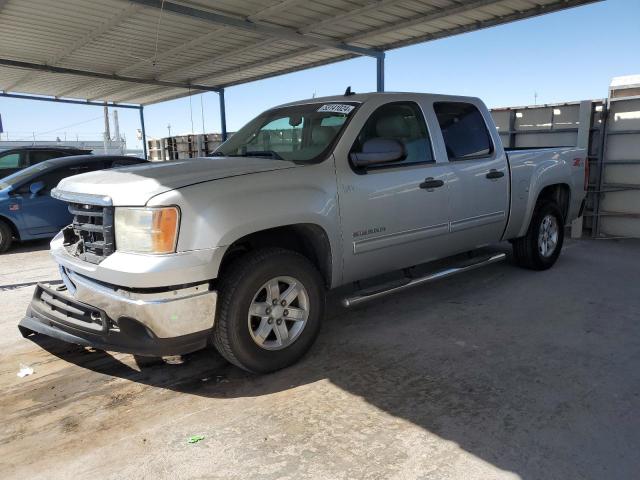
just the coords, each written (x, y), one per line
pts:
(27, 210)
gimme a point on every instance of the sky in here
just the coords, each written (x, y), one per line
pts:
(566, 56)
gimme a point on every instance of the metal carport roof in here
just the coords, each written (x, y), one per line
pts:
(148, 51)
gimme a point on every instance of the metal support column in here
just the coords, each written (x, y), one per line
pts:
(380, 72)
(223, 116)
(585, 115)
(144, 134)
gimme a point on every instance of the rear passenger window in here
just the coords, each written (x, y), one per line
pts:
(42, 155)
(464, 130)
(402, 121)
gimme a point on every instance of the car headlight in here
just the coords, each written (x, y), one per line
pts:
(147, 229)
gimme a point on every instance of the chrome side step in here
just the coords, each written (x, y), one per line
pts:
(373, 293)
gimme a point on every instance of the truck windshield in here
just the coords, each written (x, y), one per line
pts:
(300, 133)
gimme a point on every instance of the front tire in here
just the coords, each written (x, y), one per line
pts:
(540, 247)
(6, 237)
(270, 306)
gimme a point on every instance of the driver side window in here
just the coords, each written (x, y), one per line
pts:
(401, 121)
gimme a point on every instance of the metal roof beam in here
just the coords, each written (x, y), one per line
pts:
(104, 76)
(259, 28)
(435, 15)
(83, 41)
(283, 5)
(432, 16)
(234, 53)
(161, 55)
(268, 11)
(66, 100)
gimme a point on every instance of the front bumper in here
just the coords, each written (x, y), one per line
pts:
(169, 322)
(137, 270)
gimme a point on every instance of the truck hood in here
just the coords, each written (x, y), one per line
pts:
(135, 185)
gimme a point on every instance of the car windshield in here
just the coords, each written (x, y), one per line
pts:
(23, 175)
(300, 133)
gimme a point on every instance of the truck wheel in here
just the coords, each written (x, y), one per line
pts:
(6, 237)
(540, 247)
(270, 305)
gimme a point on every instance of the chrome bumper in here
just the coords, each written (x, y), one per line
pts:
(165, 314)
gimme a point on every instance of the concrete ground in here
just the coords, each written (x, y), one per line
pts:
(500, 373)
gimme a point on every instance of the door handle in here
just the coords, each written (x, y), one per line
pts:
(430, 183)
(493, 173)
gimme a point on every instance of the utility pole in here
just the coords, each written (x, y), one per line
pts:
(107, 130)
(169, 128)
(116, 126)
(202, 111)
(535, 98)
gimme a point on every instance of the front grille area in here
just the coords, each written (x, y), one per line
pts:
(90, 237)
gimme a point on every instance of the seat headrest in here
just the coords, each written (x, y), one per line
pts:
(391, 127)
(321, 135)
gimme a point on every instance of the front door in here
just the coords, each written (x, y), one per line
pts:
(42, 214)
(393, 215)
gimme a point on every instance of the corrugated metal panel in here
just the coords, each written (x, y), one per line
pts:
(118, 37)
(619, 209)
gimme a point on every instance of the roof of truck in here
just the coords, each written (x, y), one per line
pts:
(363, 97)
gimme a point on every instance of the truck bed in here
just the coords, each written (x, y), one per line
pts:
(528, 166)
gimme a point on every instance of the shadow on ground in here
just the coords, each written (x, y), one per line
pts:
(30, 246)
(537, 373)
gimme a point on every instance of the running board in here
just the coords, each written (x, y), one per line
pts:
(398, 286)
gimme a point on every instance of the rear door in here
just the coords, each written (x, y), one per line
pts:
(389, 219)
(479, 198)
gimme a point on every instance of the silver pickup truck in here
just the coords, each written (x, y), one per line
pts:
(238, 250)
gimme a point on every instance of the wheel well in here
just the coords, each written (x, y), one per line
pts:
(307, 239)
(558, 193)
(12, 226)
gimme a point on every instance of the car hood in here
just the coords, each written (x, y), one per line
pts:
(135, 185)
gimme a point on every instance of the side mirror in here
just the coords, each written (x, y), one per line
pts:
(35, 188)
(379, 150)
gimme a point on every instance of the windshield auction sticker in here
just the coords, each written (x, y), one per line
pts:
(336, 108)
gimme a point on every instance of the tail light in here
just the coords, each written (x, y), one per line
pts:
(576, 163)
(586, 174)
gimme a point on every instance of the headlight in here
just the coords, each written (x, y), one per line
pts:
(147, 230)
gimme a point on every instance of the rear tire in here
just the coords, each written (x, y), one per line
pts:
(540, 247)
(6, 236)
(258, 297)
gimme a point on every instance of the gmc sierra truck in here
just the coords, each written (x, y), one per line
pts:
(239, 249)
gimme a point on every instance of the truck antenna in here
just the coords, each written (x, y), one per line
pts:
(348, 91)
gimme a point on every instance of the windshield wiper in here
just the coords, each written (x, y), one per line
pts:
(260, 153)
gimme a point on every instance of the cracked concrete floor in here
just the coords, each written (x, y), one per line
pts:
(497, 374)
